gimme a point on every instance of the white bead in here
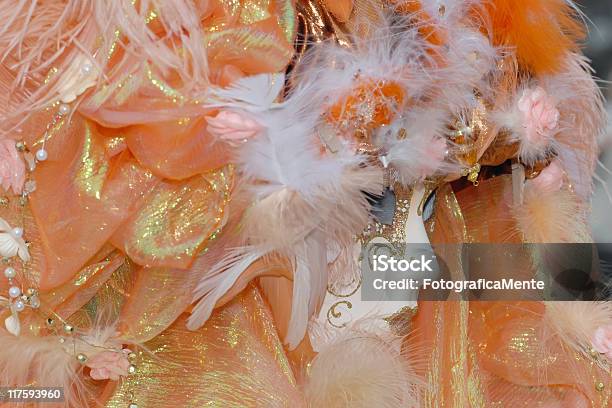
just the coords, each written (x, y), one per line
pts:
(41, 155)
(86, 68)
(19, 306)
(14, 291)
(35, 302)
(64, 109)
(10, 273)
(17, 232)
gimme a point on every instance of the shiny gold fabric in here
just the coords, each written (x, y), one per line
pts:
(494, 354)
(83, 195)
(235, 360)
(176, 220)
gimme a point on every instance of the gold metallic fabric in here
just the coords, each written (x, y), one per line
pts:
(235, 360)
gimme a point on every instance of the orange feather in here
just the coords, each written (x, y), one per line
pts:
(542, 32)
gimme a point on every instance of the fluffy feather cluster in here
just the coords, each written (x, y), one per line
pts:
(576, 324)
(50, 362)
(404, 91)
(304, 171)
(379, 377)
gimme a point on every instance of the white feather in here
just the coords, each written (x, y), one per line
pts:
(218, 281)
(583, 119)
(362, 370)
(252, 93)
(575, 323)
(423, 151)
(309, 285)
(305, 199)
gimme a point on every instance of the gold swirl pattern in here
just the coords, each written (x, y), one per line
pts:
(334, 313)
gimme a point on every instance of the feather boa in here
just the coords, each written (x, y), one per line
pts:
(582, 119)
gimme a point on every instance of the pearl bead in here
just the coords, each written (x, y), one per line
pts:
(35, 302)
(64, 109)
(132, 369)
(14, 291)
(41, 155)
(17, 232)
(82, 358)
(10, 273)
(68, 328)
(86, 68)
(19, 306)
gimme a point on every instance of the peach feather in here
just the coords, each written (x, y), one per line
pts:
(541, 32)
(579, 324)
(362, 371)
(551, 216)
(41, 360)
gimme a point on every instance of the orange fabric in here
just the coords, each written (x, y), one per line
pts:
(493, 353)
(143, 130)
(82, 196)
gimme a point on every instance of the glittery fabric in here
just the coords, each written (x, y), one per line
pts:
(177, 220)
(493, 354)
(82, 197)
(235, 360)
(163, 122)
(156, 297)
(73, 295)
